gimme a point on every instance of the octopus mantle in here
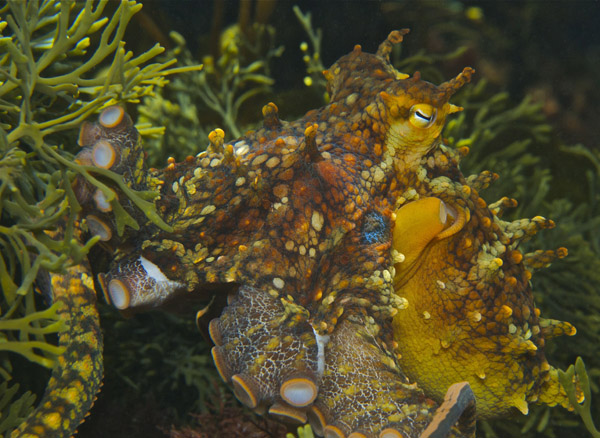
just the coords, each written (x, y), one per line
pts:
(368, 281)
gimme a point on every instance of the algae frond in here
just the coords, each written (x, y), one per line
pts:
(60, 61)
(312, 54)
(46, 93)
(215, 97)
(302, 432)
(584, 408)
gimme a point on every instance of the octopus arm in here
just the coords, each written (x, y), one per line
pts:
(76, 379)
(343, 384)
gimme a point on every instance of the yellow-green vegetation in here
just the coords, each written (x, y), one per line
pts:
(59, 63)
(577, 373)
(13, 411)
(312, 54)
(302, 432)
(197, 103)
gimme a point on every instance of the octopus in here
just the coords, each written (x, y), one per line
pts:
(367, 288)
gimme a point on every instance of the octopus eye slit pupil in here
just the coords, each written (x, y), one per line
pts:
(423, 116)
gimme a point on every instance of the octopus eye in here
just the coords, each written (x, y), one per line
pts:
(422, 115)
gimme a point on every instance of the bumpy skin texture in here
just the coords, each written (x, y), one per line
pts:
(74, 383)
(335, 233)
(471, 314)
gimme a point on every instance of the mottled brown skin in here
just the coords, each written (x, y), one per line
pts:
(309, 203)
(303, 222)
(299, 215)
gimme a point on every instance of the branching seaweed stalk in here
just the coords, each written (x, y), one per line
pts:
(60, 61)
(567, 379)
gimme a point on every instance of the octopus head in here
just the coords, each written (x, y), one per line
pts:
(416, 114)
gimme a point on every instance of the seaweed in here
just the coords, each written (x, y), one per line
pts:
(577, 373)
(197, 103)
(13, 411)
(312, 58)
(59, 63)
(162, 353)
(62, 61)
(302, 432)
(241, 72)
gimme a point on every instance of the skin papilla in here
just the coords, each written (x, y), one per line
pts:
(372, 292)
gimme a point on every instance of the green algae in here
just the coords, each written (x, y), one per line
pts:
(215, 97)
(577, 373)
(59, 63)
(302, 432)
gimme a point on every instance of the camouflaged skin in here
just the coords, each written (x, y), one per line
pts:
(300, 213)
(74, 383)
(349, 239)
(471, 315)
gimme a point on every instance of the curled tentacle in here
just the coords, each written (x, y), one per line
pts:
(74, 383)
(363, 394)
(269, 357)
(346, 405)
(136, 283)
(112, 144)
(272, 356)
(458, 407)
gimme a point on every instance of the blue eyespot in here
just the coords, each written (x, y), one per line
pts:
(375, 228)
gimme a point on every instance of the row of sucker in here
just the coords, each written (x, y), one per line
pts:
(272, 361)
(268, 357)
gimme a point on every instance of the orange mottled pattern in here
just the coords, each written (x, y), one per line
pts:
(371, 291)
